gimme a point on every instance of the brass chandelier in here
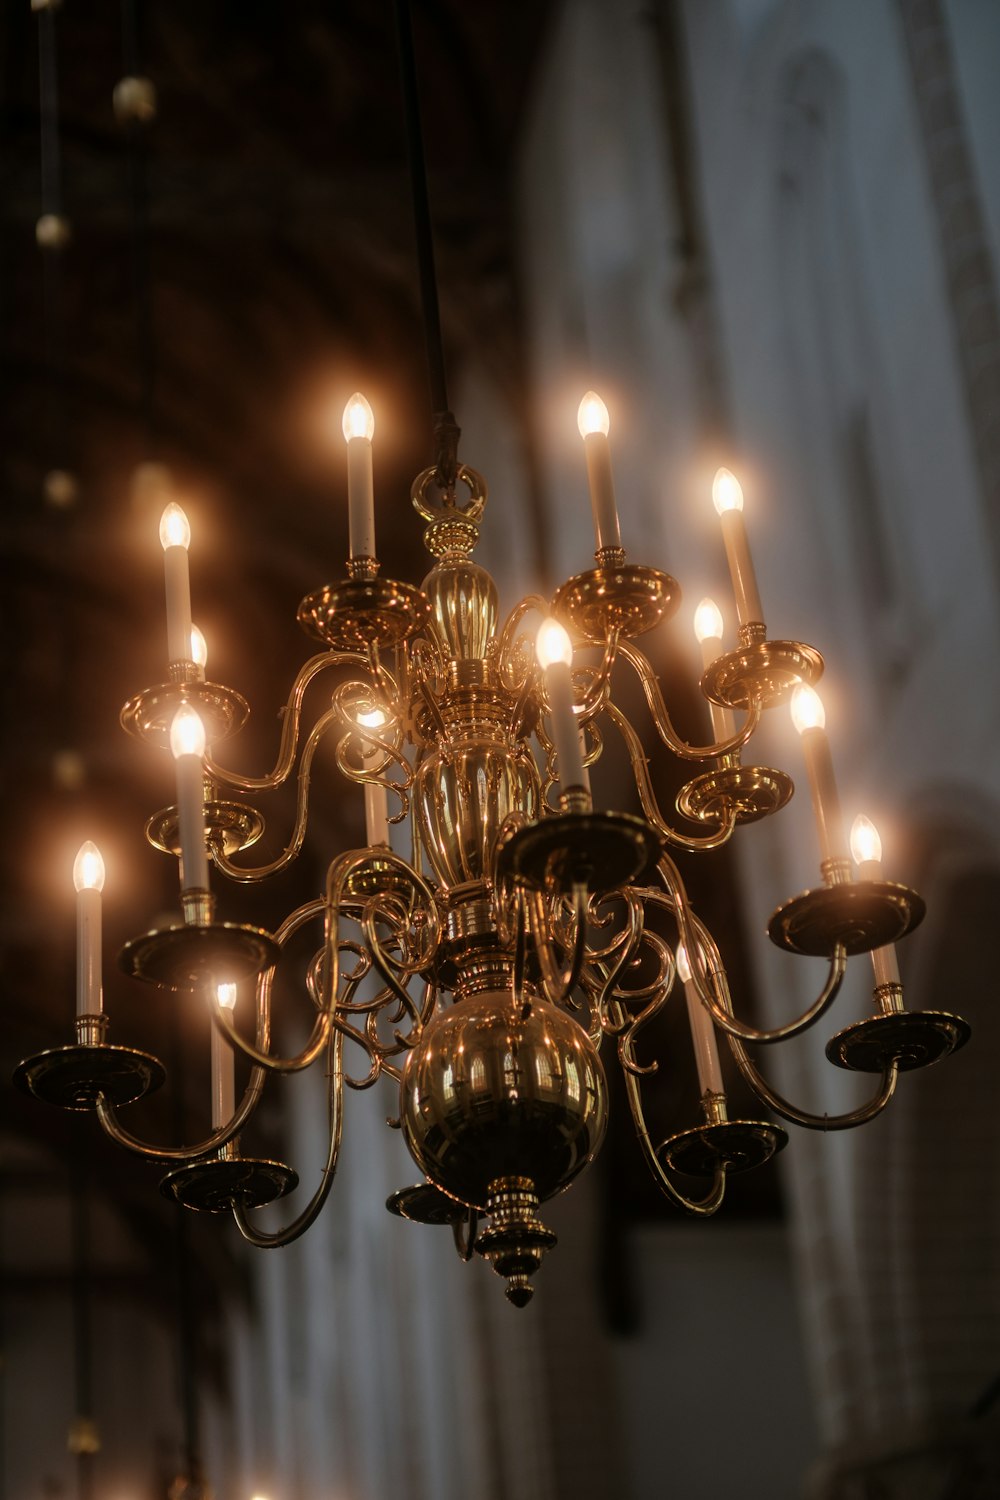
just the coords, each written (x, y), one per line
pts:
(498, 927)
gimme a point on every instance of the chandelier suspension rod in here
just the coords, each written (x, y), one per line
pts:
(446, 430)
(138, 193)
(52, 230)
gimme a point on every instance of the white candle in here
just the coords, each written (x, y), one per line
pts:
(809, 718)
(175, 538)
(555, 655)
(223, 1072)
(708, 629)
(727, 496)
(866, 846)
(187, 742)
(88, 878)
(359, 428)
(706, 1052)
(594, 423)
(376, 797)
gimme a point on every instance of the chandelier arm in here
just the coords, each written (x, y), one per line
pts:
(647, 796)
(781, 1106)
(599, 687)
(326, 1004)
(506, 641)
(290, 721)
(265, 1240)
(661, 718)
(247, 874)
(712, 984)
(701, 1208)
(557, 983)
(108, 1117)
(710, 979)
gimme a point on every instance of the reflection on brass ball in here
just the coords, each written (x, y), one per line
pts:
(487, 1096)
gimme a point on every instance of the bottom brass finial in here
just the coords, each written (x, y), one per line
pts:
(517, 1239)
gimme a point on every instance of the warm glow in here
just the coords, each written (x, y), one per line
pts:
(552, 644)
(726, 491)
(88, 868)
(187, 733)
(865, 842)
(592, 415)
(708, 621)
(175, 529)
(226, 995)
(683, 967)
(199, 650)
(359, 419)
(807, 709)
(372, 718)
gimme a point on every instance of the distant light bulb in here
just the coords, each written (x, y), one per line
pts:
(708, 621)
(359, 419)
(807, 709)
(187, 733)
(683, 966)
(372, 718)
(175, 529)
(727, 493)
(865, 842)
(88, 868)
(592, 415)
(226, 995)
(552, 644)
(199, 650)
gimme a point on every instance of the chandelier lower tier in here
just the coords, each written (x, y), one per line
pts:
(478, 974)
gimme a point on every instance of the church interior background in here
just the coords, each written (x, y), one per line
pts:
(767, 232)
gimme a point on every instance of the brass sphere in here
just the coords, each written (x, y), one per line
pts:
(487, 1095)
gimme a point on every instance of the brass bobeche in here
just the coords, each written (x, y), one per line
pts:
(480, 970)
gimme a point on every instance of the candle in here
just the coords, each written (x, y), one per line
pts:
(594, 423)
(359, 428)
(727, 496)
(88, 878)
(866, 846)
(706, 1052)
(175, 538)
(809, 718)
(223, 1079)
(376, 797)
(187, 742)
(708, 629)
(555, 656)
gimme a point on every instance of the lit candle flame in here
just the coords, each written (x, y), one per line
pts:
(592, 415)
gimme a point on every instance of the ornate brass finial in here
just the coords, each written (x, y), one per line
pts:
(453, 530)
(517, 1239)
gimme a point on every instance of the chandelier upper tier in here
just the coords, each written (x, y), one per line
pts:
(498, 928)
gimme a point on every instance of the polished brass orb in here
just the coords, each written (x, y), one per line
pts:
(489, 1094)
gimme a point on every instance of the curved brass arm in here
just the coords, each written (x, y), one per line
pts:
(291, 715)
(661, 717)
(559, 984)
(108, 1117)
(781, 1106)
(710, 978)
(324, 1020)
(265, 1240)
(647, 797)
(246, 874)
(703, 1207)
